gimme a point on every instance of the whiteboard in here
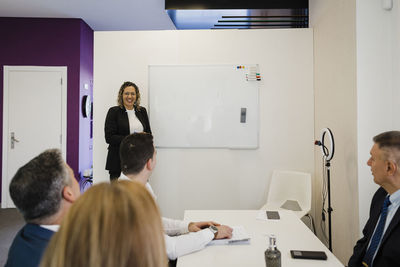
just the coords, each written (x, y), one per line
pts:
(202, 106)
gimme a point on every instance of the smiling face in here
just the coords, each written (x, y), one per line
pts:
(379, 164)
(129, 97)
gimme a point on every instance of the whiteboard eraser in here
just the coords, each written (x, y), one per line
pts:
(243, 115)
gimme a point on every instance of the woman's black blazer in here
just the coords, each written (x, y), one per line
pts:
(116, 128)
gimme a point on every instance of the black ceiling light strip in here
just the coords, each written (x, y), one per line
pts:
(251, 28)
(261, 17)
(250, 13)
(258, 21)
(258, 24)
(254, 25)
(236, 4)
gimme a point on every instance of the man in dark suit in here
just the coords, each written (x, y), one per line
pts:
(43, 190)
(380, 244)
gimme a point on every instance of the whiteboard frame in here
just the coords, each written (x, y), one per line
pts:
(253, 142)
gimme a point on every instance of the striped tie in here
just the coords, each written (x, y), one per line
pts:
(376, 238)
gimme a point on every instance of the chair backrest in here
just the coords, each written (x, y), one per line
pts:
(290, 185)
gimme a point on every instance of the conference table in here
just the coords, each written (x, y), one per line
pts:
(291, 234)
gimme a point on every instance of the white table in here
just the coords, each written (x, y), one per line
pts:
(290, 231)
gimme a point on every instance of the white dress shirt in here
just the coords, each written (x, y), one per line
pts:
(135, 126)
(178, 240)
(51, 227)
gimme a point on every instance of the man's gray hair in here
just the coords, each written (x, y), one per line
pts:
(390, 139)
(389, 142)
(36, 188)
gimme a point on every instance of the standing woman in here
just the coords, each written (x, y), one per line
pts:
(126, 118)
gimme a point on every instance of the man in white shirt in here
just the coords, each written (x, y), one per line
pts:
(138, 160)
(43, 191)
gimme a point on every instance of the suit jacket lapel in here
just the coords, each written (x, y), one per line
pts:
(125, 130)
(374, 221)
(374, 217)
(395, 221)
(139, 115)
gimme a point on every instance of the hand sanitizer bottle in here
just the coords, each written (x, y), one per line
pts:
(272, 254)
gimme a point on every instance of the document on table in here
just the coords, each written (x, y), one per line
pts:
(239, 236)
(262, 215)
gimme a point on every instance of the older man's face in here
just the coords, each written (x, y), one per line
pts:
(378, 164)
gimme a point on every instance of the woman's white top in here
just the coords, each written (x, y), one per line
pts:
(135, 126)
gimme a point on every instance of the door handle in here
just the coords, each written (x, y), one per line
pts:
(13, 140)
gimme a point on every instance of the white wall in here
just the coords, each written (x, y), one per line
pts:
(378, 91)
(395, 43)
(357, 81)
(336, 107)
(216, 178)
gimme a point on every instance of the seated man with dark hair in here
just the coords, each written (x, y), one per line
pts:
(138, 160)
(43, 191)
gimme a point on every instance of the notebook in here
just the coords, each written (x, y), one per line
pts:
(239, 237)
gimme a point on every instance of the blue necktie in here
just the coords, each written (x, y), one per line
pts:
(376, 238)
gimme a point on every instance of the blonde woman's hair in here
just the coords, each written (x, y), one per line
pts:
(111, 225)
(121, 92)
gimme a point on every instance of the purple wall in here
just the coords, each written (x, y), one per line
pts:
(51, 42)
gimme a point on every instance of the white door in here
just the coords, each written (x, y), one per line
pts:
(34, 117)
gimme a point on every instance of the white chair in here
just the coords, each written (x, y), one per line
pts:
(290, 186)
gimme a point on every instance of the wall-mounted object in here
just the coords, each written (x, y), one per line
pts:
(387, 4)
(86, 106)
(204, 106)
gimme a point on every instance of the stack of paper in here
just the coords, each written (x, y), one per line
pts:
(239, 236)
